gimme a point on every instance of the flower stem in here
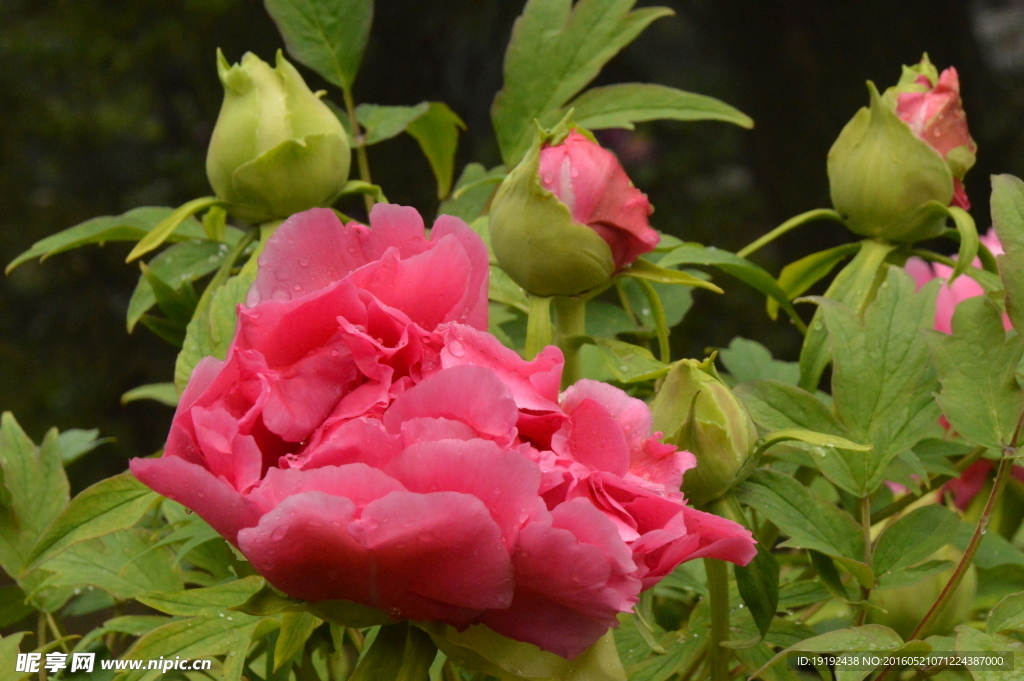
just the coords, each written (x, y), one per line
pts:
(570, 322)
(718, 593)
(538, 325)
(360, 143)
(792, 223)
(865, 522)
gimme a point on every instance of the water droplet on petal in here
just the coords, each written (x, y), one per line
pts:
(279, 533)
(456, 348)
(303, 262)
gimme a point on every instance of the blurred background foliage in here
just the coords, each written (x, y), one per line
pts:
(108, 104)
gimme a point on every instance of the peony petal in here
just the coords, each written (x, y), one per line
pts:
(472, 309)
(360, 440)
(593, 438)
(534, 384)
(472, 395)
(357, 482)
(194, 487)
(227, 455)
(506, 482)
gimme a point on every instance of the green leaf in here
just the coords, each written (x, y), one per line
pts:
(809, 437)
(473, 190)
(178, 306)
(197, 637)
(384, 122)
(970, 640)
(914, 537)
(645, 269)
(622, 105)
(13, 607)
(75, 443)
(192, 602)
(855, 286)
(1008, 219)
(133, 625)
(296, 627)
(799, 594)
(166, 329)
(9, 649)
(605, 319)
(160, 233)
(328, 36)
(681, 652)
(733, 265)
(993, 551)
(1007, 615)
(829, 575)
(977, 367)
(481, 649)
(676, 300)
(182, 263)
(882, 381)
(437, 132)
(131, 226)
(164, 393)
(35, 491)
(121, 564)
(555, 50)
(868, 638)
(211, 330)
(400, 652)
(758, 584)
(909, 576)
(775, 405)
(748, 360)
(110, 505)
(629, 363)
(802, 274)
(810, 523)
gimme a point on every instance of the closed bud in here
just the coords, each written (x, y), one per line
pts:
(699, 413)
(276, 149)
(884, 180)
(567, 218)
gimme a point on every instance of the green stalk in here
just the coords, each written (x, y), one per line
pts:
(360, 142)
(538, 325)
(570, 321)
(865, 523)
(792, 223)
(718, 593)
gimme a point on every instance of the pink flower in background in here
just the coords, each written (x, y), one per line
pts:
(366, 440)
(937, 116)
(590, 182)
(950, 295)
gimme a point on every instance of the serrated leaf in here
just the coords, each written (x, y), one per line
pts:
(472, 192)
(802, 274)
(758, 584)
(192, 602)
(130, 226)
(296, 627)
(882, 380)
(555, 50)
(622, 105)
(197, 637)
(914, 537)
(384, 122)
(977, 366)
(110, 505)
(9, 649)
(970, 640)
(164, 393)
(810, 523)
(437, 132)
(748, 360)
(328, 36)
(181, 263)
(121, 564)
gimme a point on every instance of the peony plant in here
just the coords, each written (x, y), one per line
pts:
(473, 452)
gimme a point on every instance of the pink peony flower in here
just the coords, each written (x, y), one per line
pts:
(936, 115)
(366, 440)
(590, 182)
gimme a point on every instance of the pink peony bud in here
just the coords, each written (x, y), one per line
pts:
(589, 180)
(936, 115)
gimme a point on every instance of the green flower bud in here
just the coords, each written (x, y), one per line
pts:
(698, 412)
(276, 149)
(884, 180)
(906, 607)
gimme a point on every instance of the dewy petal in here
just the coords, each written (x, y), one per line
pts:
(194, 487)
(593, 438)
(560, 608)
(534, 384)
(472, 309)
(358, 440)
(472, 395)
(357, 482)
(506, 482)
(422, 556)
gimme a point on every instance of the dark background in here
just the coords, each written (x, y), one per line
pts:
(106, 105)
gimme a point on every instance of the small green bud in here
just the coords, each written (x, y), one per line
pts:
(276, 149)
(884, 180)
(697, 412)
